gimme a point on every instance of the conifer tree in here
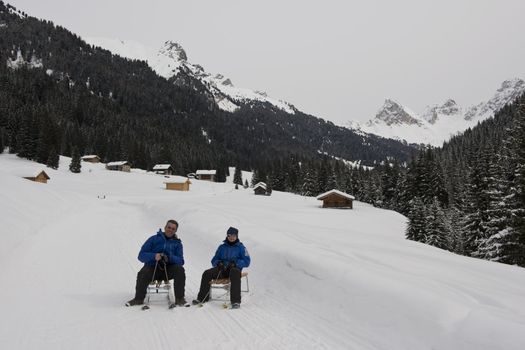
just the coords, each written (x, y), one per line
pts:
(255, 177)
(75, 165)
(436, 230)
(416, 227)
(513, 239)
(310, 184)
(53, 159)
(237, 176)
(2, 144)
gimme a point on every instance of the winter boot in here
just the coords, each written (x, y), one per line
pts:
(180, 301)
(236, 305)
(134, 302)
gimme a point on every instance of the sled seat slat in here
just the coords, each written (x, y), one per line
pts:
(226, 280)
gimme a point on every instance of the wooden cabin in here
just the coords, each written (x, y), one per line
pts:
(178, 183)
(260, 189)
(119, 166)
(336, 199)
(40, 176)
(208, 175)
(91, 158)
(163, 169)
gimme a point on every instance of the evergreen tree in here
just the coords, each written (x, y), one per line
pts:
(436, 231)
(237, 176)
(53, 159)
(492, 214)
(292, 176)
(512, 239)
(331, 182)
(416, 227)
(2, 144)
(310, 184)
(255, 177)
(75, 165)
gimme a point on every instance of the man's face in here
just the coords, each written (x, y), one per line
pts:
(170, 229)
(231, 238)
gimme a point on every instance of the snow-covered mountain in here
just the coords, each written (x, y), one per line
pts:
(171, 59)
(437, 123)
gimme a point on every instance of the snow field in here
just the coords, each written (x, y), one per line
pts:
(319, 279)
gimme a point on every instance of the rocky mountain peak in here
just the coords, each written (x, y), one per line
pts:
(393, 113)
(509, 91)
(173, 50)
(432, 113)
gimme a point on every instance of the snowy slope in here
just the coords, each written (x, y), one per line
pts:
(320, 278)
(437, 123)
(171, 58)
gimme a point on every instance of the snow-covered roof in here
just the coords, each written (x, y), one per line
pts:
(122, 162)
(206, 172)
(162, 167)
(342, 194)
(176, 180)
(90, 156)
(260, 184)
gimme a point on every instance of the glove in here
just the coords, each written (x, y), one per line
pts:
(232, 264)
(220, 265)
(164, 258)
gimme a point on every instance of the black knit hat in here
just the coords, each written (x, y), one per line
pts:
(233, 231)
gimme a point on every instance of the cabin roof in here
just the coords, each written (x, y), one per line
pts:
(336, 192)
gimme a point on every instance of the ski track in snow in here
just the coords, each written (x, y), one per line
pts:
(320, 279)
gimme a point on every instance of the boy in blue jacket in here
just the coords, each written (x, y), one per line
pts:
(163, 250)
(229, 260)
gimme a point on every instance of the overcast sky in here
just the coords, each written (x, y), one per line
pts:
(337, 60)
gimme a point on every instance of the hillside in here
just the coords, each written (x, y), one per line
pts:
(60, 93)
(319, 279)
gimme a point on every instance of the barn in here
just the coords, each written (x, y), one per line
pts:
(122, 165)
(336, 199)
(260, 188)
(208, 175)
(39, 176)
(178, 183)
(164, 169)
(91, 158)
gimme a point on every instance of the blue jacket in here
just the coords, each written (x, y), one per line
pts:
(236, 253)
(159, 243)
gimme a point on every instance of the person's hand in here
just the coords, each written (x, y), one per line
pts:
(220, 265)
(232, 264)
(158, 256)
(165, 258)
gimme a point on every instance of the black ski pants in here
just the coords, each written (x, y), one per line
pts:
(145, 275)
(233, 273)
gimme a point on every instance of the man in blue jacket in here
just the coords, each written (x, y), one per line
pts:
(229, 260)
(163, 250)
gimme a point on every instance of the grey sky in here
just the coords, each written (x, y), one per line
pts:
(337, 60)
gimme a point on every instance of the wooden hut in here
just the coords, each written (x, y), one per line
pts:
(163, 169)
(119, 166)
(208, 175)
(259, 189)
(336, 199)
(178, 183)
(91, 158)
(40, 176)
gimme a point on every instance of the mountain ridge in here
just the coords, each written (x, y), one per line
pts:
(439, 122)
(171, 59)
